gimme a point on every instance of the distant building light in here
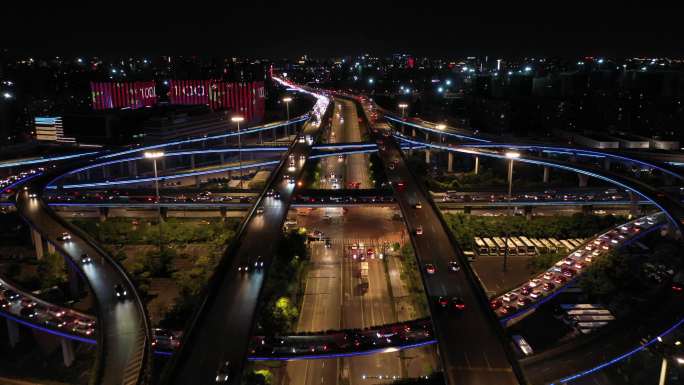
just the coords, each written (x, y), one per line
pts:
(370, 80)
(600, 61)
(528, 69)
(464, 69)
(113, 70)
(166, 82)
(448, 82)
(580, 63)
(510, 72)
(644, 68)
(440, 89)
(79, 60)
(7, 95)
(471, 70)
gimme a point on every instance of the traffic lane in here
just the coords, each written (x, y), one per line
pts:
(485, 357)
(121, 324)
(227, 322)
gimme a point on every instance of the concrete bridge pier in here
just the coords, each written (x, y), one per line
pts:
(413, 132)
(546, 174)
(529, 212)
(192, 161)
(132, 168)
(104, 213)
(583, 180)
(74, 278)
(12, 332)
(477, 165)
(606, 164)
(450, 161)
(467, 209)
(587, 209)
(223, 158)
(427, 156)
(105, 173)
(224, 213)
(164, 213)
(88, 174)
(634, 204)
(37, 244)
(50, 248)
(67, 351)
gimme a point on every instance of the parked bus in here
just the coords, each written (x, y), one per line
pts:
(575, 242)
(481, 247)
(500, 246)
(573, 306)
(524, 347)
(521, 249)
(549, 246)
(541, 248)
(493, 248)
(559, 246)
(529, 246)
(578, 312)
(568, 246)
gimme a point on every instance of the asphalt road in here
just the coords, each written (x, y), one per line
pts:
(472, 351)
(122, 324)
(333, 301)
(223, 330)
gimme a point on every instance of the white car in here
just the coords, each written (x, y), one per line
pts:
(65, 237)
(419, 230)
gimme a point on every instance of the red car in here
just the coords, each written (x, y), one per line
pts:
(430, 268)
(401, 186)
(495, 304)
(560, 279)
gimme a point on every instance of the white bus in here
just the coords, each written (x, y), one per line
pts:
(549, 246)
(531, 249)
(568, 246)
(541, 247)
(521, 249)
(493, 248)
(481, 247)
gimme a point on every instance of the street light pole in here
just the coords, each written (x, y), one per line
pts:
(403, 107)
(154, 155)
(238, 119)
(511, 157)
(287, 101)
(441, 127)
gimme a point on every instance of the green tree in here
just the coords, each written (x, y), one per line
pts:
(52, 270)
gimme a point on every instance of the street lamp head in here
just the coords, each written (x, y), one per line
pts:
(680, 361)
(153, 154)
(287, 99)
(237, 119)
(441, 127)
(512, 154)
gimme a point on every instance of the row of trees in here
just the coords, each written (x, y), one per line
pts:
(123, 231)
(465, 227)
(282, 293)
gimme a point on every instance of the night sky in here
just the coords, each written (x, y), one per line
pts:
(327, 28)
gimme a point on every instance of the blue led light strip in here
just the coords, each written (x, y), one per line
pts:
(340, 355)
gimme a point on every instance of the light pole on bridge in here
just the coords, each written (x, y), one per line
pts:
(154, 155)
(238, 119)
(511, 156)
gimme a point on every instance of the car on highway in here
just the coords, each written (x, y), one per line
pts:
(418, 205)
(56, 312)
(32, 195)
(430, 268)
(243, 267)
(548, 286)
(120, 291)
(454, 266)
(28, 302)
(28, 312)
(442, 302)
(495, 304)
(224, 371)
(560, 280)
(85, 259)
(4, 304)
(259, 210)
(508, 309)
(258, 262)
(419, 230)
(401, 186)
(523, 301)
(535, 294)
(328, 244)
(458, 303)
(548, 275)
(10, 295)
(64, 237)
(535, 282)
(525, 290)
(510, 297)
